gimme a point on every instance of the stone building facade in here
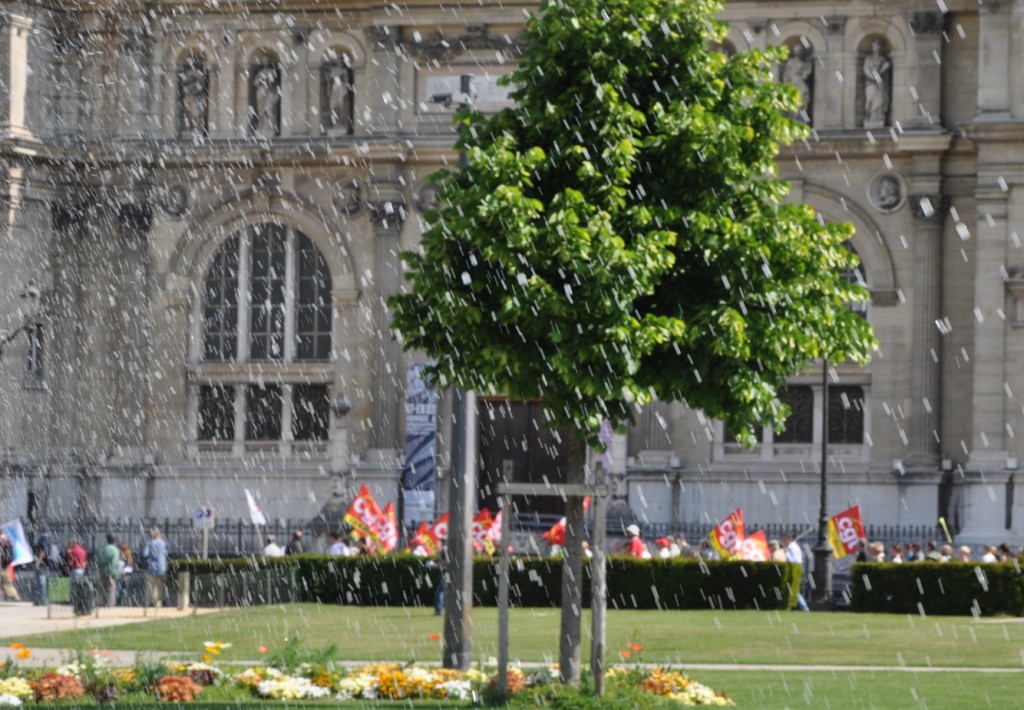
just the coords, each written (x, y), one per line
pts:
(210, 199)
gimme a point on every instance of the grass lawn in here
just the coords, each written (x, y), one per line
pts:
(676, 637)
(740, 637)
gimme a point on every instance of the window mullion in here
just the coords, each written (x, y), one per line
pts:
(289, 295)
(286, 419)
(244, 296)
(241, 394)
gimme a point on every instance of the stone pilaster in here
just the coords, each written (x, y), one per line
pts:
(15, 35)
(925, 381)
(387, 211)
(994, 61)
(988, 446)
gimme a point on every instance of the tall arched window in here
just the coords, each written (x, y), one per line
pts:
(266, 310)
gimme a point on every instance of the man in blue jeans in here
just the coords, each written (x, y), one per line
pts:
(41, 550)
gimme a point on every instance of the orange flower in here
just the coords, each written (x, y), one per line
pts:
(16, 646)
(635, 646)
(435, 637)
(24, 653)
(626, 654)
(262, 649)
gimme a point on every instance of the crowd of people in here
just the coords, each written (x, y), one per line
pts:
(933, 552)
(113, 565)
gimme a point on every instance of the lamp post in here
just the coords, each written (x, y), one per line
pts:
(821, 596)
(457, 576)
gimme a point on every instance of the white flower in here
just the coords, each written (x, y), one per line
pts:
(10, 700)
(291, 688)
(458, 689)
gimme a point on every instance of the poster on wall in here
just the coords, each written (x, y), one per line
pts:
(420, 473)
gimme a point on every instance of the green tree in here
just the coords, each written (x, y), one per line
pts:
(621, 233)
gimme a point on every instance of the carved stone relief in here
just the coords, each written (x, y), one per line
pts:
(876, 70)
(193, 97)
(798, 70)
(886, 192)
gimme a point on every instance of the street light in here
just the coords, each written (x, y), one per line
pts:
(821, 596)
(458, 605)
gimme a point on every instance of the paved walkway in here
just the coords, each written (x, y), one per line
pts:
(19, 620)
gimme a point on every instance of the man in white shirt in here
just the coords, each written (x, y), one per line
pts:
(272, 549)
(795, 555)
(337, 546)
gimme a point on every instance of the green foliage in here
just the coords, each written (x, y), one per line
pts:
(620, 233)
(293, 654)
(951, 588)
(406, 580)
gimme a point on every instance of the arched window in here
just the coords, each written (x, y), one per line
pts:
(266, 309)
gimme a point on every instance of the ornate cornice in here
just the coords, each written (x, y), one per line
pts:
(438, 46)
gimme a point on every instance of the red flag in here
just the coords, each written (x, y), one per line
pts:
(755, 548)
(727, 536)
(845, 530)
(435, 534)
(481, 527)
(362, 517)
(495, 532)
(556, 535)
(387, 528)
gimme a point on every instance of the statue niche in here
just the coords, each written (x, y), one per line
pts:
(337, 94)
(193, 98)
(265, 100)
(798, 70)
(876, 78)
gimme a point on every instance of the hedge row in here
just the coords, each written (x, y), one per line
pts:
(951, 588)
(405, 580)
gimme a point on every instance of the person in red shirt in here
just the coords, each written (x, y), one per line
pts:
(76, 558)
(635, 547)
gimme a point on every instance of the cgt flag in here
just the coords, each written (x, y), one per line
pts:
(845, 530)
(755, 548)
(387, 528)
(727, 536)
(482, 524)
(363, 516)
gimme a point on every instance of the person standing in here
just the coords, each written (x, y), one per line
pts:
(794, 555)
(41, 552)
(338, 547)
(155, 555)
(272, 549)
(77, 559)
(108, 563)
(295, 545)
(127, 564)
(635, 546)
(7, 568)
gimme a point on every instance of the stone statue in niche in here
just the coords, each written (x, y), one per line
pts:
(799, 71)
(265, 113)
(337, 97)
(877, 73)
(194, 94)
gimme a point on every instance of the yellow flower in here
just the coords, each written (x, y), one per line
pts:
(24, 653)
(207, 658)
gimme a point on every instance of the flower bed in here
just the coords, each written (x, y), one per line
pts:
(294, 675)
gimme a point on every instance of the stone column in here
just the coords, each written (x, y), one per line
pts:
(15, 31)
(387, 211)
(925, 381)
(988, 447)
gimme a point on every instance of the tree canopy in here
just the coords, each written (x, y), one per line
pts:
(621, 234)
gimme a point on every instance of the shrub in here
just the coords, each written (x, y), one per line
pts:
(951, 588)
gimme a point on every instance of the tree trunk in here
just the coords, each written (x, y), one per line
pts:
(571, 644)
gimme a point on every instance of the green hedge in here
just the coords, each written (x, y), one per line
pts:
(405, 580)
(950, 588)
